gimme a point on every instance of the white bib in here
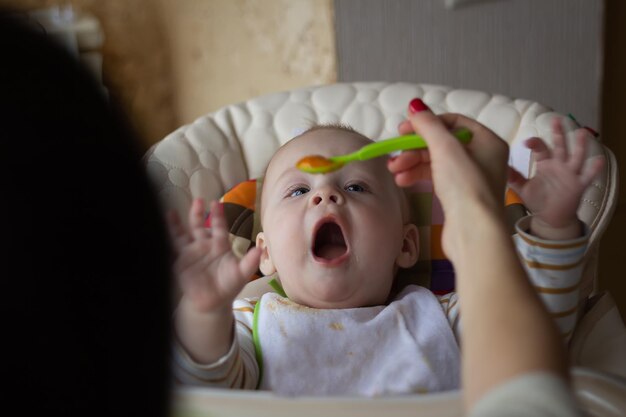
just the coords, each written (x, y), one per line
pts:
(407, 346)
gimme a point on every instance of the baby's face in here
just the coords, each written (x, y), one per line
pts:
(337, 239)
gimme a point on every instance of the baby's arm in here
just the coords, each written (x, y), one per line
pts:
(555, 270)
(237, 369)
(210, 276)
(553, 241)
(450, 304)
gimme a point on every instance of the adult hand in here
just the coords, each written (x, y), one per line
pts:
(464, 176)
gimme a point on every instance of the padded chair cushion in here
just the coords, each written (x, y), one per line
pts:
(219, 150)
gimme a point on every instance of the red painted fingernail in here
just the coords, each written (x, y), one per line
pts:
(590, 130)
(417, 105)
(392, 158)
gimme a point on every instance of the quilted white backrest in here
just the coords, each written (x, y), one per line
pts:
(215, 152)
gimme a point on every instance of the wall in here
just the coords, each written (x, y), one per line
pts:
(228, 51)
(136, 66)
(170, 61)
(544, 50)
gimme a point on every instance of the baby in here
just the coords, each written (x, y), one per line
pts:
(336, 242)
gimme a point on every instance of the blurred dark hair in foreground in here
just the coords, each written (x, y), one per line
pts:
(86, 265)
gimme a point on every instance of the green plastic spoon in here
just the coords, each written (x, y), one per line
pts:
(317, 164)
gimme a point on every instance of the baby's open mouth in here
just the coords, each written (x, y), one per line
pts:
(329, 241)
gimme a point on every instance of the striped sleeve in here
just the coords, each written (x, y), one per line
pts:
(450, 304)
(555, 270)
(237, 369)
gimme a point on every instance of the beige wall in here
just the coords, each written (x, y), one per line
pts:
(170, 61)
(136, 66)
(226, 51)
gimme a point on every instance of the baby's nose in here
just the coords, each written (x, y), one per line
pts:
(327, 196)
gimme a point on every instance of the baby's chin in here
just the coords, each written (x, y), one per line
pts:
(330, 304)
(331, 298)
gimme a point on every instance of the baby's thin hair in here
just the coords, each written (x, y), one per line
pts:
(333, 126)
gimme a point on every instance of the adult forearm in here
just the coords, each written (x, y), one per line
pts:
(205, 336)
(506, 330)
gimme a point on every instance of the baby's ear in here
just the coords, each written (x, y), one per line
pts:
(410, 247)
(266, 265)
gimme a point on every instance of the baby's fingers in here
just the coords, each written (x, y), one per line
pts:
(219, 227)
(577, 159)
(235, 273)
(196, 219)
(177, 232)
(539, 148)
(591, 170)
(249, 264)
(516, 180)
(559, 143)
(190, 261)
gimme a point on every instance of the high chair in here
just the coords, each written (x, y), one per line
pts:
(217, 151)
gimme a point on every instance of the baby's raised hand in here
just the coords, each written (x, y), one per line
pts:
(554, 192)
(208, 272)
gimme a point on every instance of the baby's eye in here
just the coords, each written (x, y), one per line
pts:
(355, 188)
(298, 191)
